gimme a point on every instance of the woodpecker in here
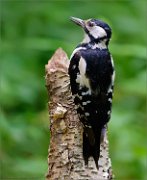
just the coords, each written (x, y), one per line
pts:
(92, 74)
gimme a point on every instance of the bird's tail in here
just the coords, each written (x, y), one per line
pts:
(91, 145)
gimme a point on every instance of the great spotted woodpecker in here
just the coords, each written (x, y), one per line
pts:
(92, 74)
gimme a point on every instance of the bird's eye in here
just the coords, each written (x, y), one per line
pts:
(90, 24)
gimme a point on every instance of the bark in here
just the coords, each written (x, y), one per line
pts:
(65, 160)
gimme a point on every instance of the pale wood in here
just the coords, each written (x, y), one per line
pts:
(65, 160)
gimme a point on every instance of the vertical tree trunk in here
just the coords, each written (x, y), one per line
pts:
(65, 160)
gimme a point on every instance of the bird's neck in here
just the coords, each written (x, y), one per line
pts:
(100, 43)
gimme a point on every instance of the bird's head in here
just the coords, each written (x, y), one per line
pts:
(96, 30)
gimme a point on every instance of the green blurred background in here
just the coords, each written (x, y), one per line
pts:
(30, 33)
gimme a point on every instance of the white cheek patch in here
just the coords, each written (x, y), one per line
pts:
(97, 32)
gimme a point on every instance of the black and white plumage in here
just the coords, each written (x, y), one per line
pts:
(92, 75)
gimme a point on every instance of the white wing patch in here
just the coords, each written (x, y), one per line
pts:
(81, 78)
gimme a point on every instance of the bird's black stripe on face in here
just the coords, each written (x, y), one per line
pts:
(95, 40)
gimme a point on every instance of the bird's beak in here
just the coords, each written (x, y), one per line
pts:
(78, 21)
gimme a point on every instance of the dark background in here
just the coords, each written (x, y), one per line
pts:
(30, 33)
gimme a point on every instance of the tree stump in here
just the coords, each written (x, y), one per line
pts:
(65, 160)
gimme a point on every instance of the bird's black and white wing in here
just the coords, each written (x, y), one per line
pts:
(91, 78)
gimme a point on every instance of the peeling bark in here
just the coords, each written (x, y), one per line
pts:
(65, 160)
